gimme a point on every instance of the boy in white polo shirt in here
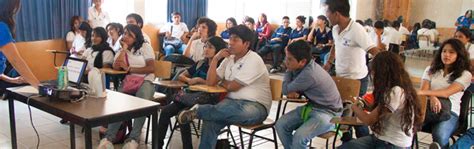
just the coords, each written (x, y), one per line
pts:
(351, 43)
(244, 75)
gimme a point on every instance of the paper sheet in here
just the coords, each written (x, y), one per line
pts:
(27, 89)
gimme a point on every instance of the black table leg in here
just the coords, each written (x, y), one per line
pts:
(11, 110)
(88, 137)
(72, 135)
(154, 130)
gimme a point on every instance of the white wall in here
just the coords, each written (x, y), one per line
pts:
(365, 9)
(443, 12)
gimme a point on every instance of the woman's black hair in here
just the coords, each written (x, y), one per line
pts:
(461, 64)
(116, 26)
(73, 20)
(101, 47)
(137, 18)
(86, 27)
(139, 39)
(302, 19)
(232, 19)
(325, 19)
(8, 9)
(416, 27)
(211, 25)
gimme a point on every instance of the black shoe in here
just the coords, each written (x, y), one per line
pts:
(62, 121)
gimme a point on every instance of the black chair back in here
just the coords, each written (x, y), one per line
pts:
(464, 114)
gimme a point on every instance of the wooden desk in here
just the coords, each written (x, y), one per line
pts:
(209, 89)
(170, 84)
(112, 71)
(89, 113)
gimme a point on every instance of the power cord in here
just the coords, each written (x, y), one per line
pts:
(31, 119)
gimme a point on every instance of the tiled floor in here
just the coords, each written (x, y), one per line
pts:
(54, 135)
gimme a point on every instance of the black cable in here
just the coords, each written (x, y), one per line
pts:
(31, 120)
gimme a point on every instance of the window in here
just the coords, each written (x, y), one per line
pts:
(118, 9)
(274, 9)
(156, 11)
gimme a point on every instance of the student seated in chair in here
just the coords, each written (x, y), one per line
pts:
(196, 74)
(396, 110)
(276, 44)
(446, 79)
(242, 73)
(195, 49)
(305, 77)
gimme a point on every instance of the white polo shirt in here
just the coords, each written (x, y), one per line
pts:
(97, 19)
(438, 81)
(385, 38)
(138, 59)
(197, 50)
(351, 46)
(90, 55)
(178, 30)
(394, 36)
(251, 73)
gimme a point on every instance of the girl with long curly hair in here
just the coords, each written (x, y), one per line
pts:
(446, 79)
(396, 111)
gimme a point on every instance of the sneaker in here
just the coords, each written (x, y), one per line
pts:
(187, 116)
(105, 144)
(130, 145)
(275, 70)
(435, 145)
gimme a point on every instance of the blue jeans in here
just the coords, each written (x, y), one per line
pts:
(317, 124)
(369, 142)
(442, 131)
(227, 112)
(146, 91)
(465, 141)
(169, 49)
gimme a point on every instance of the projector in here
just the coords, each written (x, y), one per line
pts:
(55, 94)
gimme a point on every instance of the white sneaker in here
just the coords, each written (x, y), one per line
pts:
(105, 144)
(130, 145)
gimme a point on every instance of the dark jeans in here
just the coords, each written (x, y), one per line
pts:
(361, 131)
(369, 142)
(166, 113)
(276, 49)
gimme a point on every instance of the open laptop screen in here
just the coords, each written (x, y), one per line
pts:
(76, 69)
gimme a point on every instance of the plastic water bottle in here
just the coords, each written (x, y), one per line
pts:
(62, 78)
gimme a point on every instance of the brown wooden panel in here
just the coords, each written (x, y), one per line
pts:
(40, 61)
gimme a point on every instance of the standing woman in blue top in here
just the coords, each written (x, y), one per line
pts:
(464, 21)
(299, 33)
(8, 9)
(320, 37)
(229, 23)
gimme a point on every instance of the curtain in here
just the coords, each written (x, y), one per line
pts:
(47, 19)
(191, 10)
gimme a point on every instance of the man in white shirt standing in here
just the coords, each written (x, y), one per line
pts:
(177, 30)
(98, 17)
(351, 43)
(245, 77)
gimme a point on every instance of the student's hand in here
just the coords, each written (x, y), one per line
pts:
(327, 66)
(222, 54)
(195, 36)
(167, 34)
(320, 45)
(293, 95)
(435, 104)
(124, 45)
(17, 80)
(195, 80)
